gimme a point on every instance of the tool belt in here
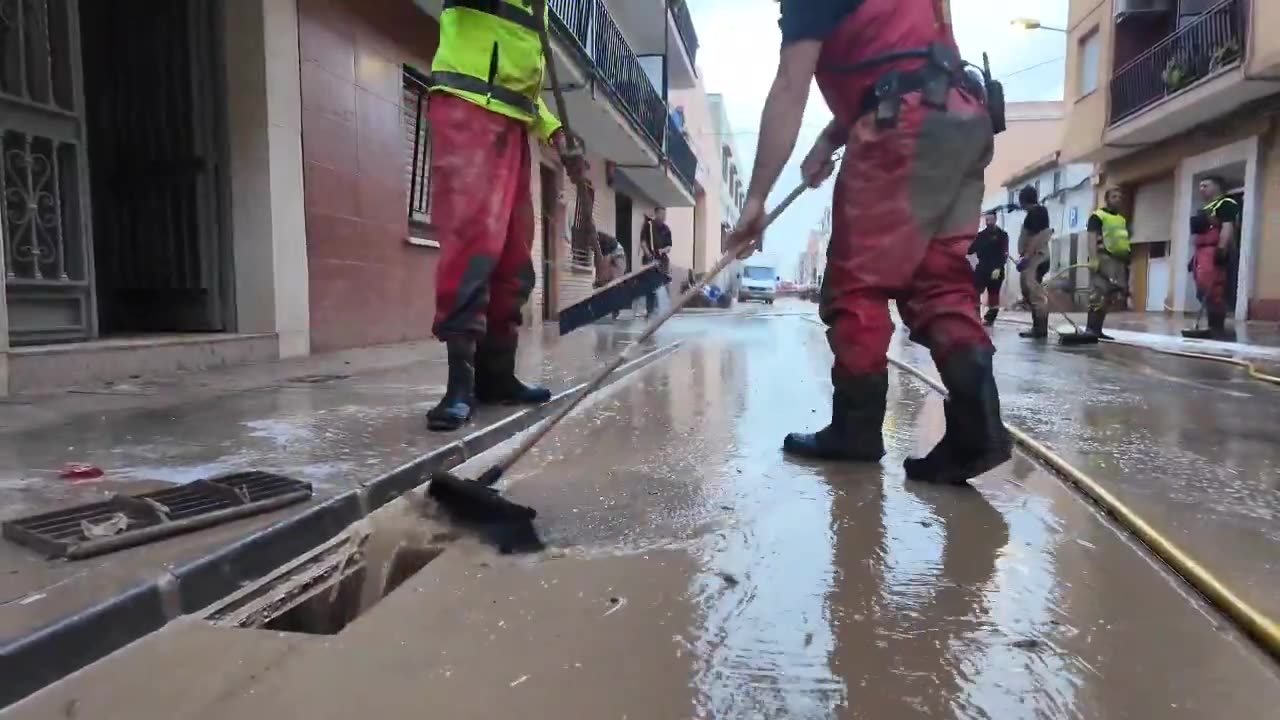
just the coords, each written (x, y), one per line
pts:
(942, 71)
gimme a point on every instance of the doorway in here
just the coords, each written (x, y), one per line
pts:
(155, 138)
(550, 201)
(623, 224)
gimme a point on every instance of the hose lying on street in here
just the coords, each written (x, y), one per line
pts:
(1261, 629)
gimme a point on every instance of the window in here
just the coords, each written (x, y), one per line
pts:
(1013, 197)
(582, 242)
(1057, 180)
(418, 147)
(1090, 59)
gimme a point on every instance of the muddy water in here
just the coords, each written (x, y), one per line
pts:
(825, 591)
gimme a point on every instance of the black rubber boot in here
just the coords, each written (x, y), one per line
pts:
(1218, 328)
(990, 318)
(455, 407)
(496, 382)
(1039, 327)
(1094, 324)
(975, 440)
(856, 431)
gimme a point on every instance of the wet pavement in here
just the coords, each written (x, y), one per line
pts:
(336, 423)
(1189, 445)
(703, 574)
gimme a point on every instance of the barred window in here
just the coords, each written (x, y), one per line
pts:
(582, 233)
(418, 143)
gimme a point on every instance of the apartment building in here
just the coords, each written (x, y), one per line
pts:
(1034, 131)
(1162, 93)
(251, 181)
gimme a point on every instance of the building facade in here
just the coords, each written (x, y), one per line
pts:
(1034, 131)
(1162, 94)
(252, 183)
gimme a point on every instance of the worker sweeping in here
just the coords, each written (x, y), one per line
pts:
(1213, 232)
(1109, 282)
(1033, 251)
(486, 81)
(991, 247)
(917, 139)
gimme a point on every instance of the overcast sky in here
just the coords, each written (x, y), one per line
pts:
(738, 56)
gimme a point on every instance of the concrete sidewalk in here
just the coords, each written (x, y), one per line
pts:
(341, 422)
(1257, 342)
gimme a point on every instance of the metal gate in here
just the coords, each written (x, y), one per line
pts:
(43, 195)
(155, 144)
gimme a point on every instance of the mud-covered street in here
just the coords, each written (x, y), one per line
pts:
(697, 572)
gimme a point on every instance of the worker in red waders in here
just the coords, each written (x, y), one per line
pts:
(917, 139)
(1214, 233)
(486, 81)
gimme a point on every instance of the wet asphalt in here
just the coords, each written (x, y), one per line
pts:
(826, 590)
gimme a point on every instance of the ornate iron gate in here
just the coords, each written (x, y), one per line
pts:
(43, 195)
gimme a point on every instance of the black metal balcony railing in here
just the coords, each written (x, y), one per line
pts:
(682, 157)
(684, 26)
(1213, 41)
(589, 27)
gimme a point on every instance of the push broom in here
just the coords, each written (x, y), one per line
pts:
(476, 504)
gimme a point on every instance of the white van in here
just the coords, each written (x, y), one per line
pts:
(759, 282)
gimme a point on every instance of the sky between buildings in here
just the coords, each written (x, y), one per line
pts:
(738, 57)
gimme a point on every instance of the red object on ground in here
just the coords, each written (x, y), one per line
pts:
(76, 471)
(482, 210)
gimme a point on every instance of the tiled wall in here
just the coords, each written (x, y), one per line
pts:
(368, 284)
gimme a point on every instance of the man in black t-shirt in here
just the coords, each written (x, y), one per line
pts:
(655, 246)
(1033, 251)
(991, 246)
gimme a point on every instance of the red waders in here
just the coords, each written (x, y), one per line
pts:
(482, 211)
(905, 201)
(1211, 276)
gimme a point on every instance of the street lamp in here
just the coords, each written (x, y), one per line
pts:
(1033, 24)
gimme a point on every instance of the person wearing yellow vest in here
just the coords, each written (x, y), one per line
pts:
(1213, 232)
(486, 85)
(1109, 287)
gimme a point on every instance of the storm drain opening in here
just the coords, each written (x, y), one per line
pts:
(327, 592)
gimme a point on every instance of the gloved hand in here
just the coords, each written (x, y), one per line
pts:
(997, 274)
(1023, 264)
(1191, 265)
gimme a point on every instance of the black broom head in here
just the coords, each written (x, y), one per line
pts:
(480, 509)
(1071, 339)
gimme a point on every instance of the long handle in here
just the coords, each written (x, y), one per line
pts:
(595, 383)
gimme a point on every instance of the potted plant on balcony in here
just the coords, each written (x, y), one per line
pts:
(1225, 54)
(1177, 74)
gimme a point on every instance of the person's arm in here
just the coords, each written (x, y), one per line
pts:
(1095, 231)
(1227, 214)
(783, 113)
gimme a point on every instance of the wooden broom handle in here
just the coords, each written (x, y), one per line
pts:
(594, 384)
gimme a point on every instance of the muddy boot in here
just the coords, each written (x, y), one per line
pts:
(496, 382)
(975, 440)
(990, 318)
(1094, 324)
(1218, 328)
(454, 409)
(1039, 327)
(857, 422)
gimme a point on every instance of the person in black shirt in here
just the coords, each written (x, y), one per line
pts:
(1033, 251)
(991, 246)
(655, 246)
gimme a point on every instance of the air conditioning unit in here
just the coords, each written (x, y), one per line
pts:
(1128, 8)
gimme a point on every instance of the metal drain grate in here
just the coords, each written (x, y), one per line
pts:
(127, 520)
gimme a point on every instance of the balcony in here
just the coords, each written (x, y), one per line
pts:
(1191, 76)
(662, 34)
(1200, 50)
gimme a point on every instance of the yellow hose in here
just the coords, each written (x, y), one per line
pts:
(1257, 626)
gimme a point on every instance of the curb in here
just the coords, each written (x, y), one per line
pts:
(49, 654)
